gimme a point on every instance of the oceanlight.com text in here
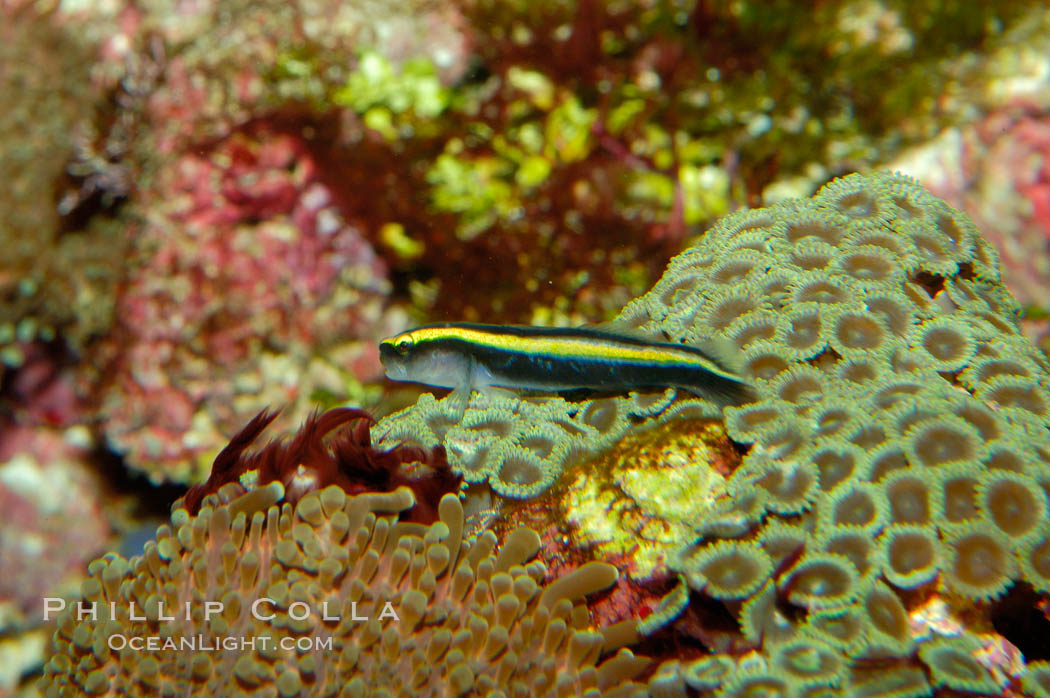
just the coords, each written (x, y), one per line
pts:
(228, 643)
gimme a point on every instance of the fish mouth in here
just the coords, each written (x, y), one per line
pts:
(393, 363)
(396, 372)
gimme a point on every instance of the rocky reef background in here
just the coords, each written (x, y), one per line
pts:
(217, 207)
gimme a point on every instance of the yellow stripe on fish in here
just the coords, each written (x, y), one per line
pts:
(454, 355)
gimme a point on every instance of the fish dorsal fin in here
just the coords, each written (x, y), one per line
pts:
(723, 352)
(622, 329)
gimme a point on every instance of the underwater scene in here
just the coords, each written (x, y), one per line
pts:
(629, 348)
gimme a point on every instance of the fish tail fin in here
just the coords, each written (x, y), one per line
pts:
(723, 391)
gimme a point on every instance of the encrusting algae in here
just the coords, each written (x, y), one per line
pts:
(639, 498)
(897, 451)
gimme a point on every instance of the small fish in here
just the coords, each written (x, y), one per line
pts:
(465, 356)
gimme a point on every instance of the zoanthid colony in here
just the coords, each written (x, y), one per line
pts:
(900, 441)
(520, 446)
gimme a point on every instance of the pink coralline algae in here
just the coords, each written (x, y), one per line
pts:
(1008, 158)
(52, 505)
(41, 389)
(1035, 134)
(998, 172)
(249, 288)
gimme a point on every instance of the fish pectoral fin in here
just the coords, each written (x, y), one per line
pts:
(493, 394)
(460, 400)
(460, 395)
(488, 394)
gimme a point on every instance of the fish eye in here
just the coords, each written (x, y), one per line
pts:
(403, 345)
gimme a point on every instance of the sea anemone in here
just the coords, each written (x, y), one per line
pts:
(857, 331)
(892, 681)
(895, 308)
(837, 463)
(443, 613)
(758, 325)
(845, 628)
(521, 471)
(888, 632)
(854, 198)
(909, 497)
(1013, 502)
(809, 661)
(947, 342)
(859, 505)
(736, 266)
(855, 544)
(861, 371)
(809, 255)
(1035, 562)
(870, 266)
(944, 441)
(791, 485)
(1036, 679)
(757, 682)
(885, 460)
(763, 360)
(799, 385)
(708, 673)
(725, 307)
(748, 423)
(762, 621)
(819, 287)
(911, 555)
(808, 221)
(821, 581)
(958, 488)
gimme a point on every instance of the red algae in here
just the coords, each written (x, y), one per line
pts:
(348, 459)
